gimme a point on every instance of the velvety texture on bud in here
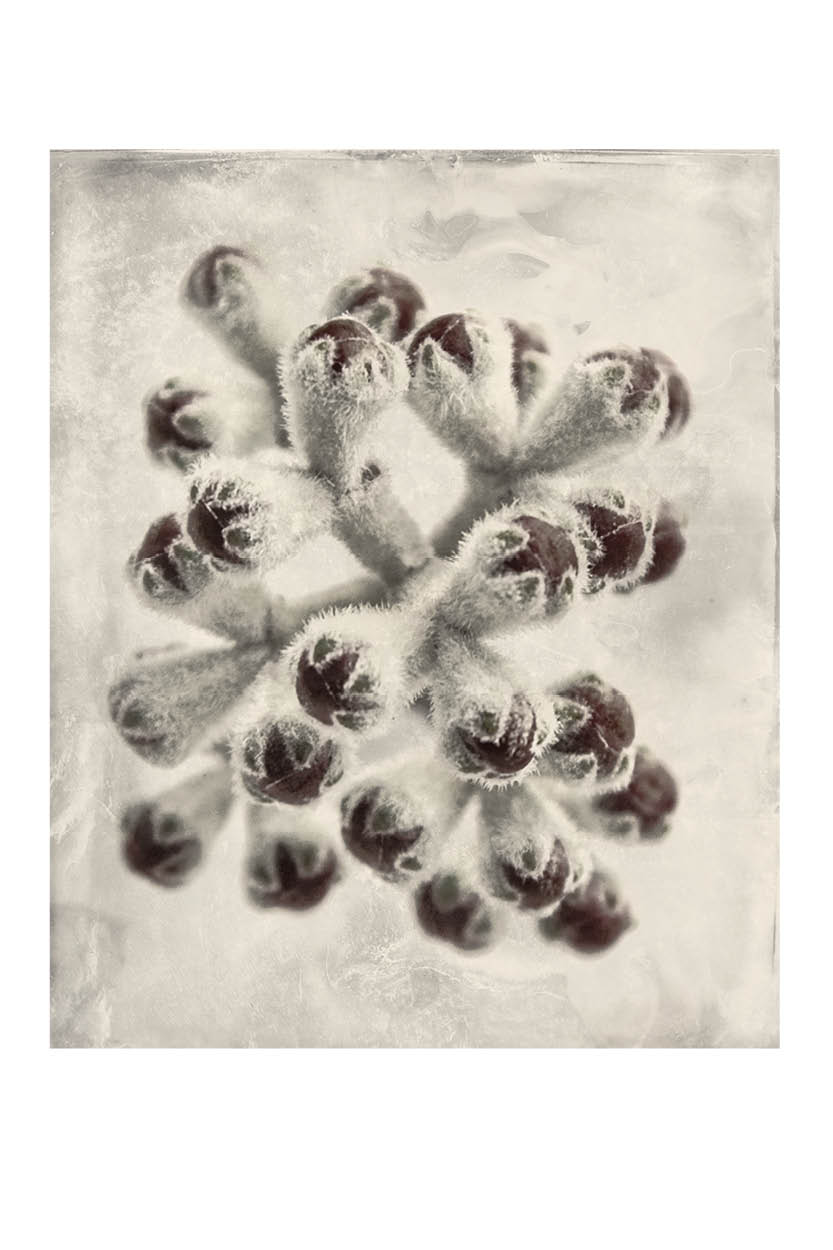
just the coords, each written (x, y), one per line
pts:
(386, 301)
(157, 844)
(591, 919)
(679, 392)
(219, 523)
(669, 545)
(596, 729)
(525, 340)
(446, 910)
(290, 872)
(380, 830)
(331, 689)
(645, 378)
(617, 540)
(175, 431)
(450, 333)
(537, 886)
(502, 749)
(287, 761)
(208, 280)
(349, 340)
(646, 802)
(549, 552)
(166, 566)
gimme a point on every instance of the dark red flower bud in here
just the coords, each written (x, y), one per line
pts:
(350, 339)
(502, 753)
(288, 762)
(290, 872)
(158, 845)
(600, 728)
(387, 301)
(537, 886)
(450, 333)
(445, 910)
(679, 393)
(591, 919)
(646, 802)
(618, 539)
(174, 429)
(549, 551)
(645, 376)
(166, 565)
(220, 523)
(380, 833)
(524, 340)
(207, 279)
(669, 545)
(330, 689)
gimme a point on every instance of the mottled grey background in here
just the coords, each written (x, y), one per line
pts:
(676, 251)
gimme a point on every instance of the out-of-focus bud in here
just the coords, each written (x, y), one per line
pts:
(164, 839)
(591, 748)
(461, 385)
(530, 360)
(167, 567)
(645, 804)
(446, 909)
(180, 426)
(286, 760)
(514, 569)
(606, 402)
(287, 868)
(526, 862)
(618, 539)
(253, 516)
(386, 301)
(164, 707)
(590, 919)
(347, 670)
(229, 289)
(669, 545)
(340, 377)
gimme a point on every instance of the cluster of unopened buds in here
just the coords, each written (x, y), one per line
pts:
(279, 708)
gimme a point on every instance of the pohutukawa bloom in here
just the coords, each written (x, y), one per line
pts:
(180, 429)
(668, 546)
(644, 805)
(166, 706)
(590, 919)
(384, 829)
(529, 350)
(291, 872)
(618, 538)
(461, 385)
(386, 301)
(167, 566)
(591, 746)
(165, 839)
(286, 760)
(446, 909)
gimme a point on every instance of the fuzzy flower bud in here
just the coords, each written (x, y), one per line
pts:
(515, 568)
(678, 392)
(289, 871)
(167, 567)
(591, 747)
(461, 385)
(340, 377)
(165, 707)
(526, 862)
(530, 355)
(386, 301)
(180, 428)
(447, 910)
(618, 539)
(496, 741)
(668, 547)
(347, 671)
(247, 516)
(164, 839)
(286, 760)
(645, 804)
(590, 919)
